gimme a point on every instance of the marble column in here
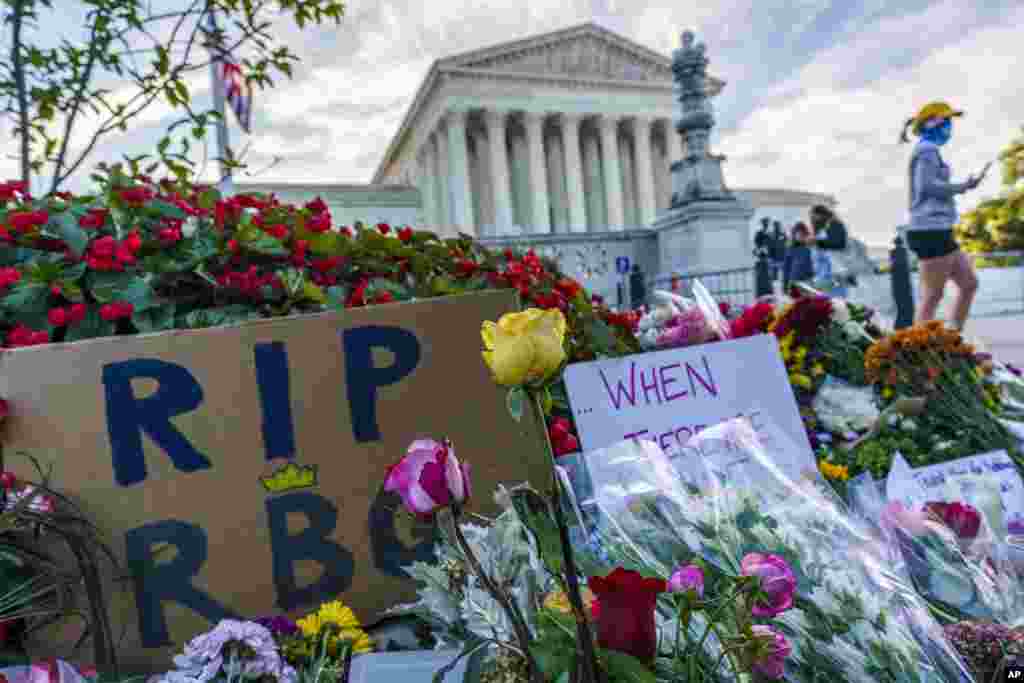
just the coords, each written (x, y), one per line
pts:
(540, 215)
(574, 173)
(500, 179)
(427, 183)
(458, 171)
(444, 200)
(556, 181)
(612, 173)
(644, 171)
(627, 179)
(480, 182)
(593, 182)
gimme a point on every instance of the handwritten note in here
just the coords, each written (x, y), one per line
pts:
(669, 396)
(973, 480)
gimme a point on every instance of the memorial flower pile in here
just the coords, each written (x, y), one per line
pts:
(315, 649)
(816, 600)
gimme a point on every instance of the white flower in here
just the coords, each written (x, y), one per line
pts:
(840, 311)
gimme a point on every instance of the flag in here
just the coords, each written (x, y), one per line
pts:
(238, 93)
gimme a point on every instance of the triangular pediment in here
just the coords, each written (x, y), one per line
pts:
(587, 52)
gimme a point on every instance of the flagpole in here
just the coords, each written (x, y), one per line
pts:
(216, 76)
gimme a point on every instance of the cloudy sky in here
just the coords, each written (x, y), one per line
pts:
(816, 90)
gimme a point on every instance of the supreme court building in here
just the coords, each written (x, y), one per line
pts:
(565, 132)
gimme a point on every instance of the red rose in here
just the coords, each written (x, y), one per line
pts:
(962, 519)
(135, 196)
(58, 317)
(9, 189)
(568, 287)
(24, 221)
(76, 313)
(95, 218)
(319, 223)
(625, 620)
(384, 228)
(405, 234)
(316, 206)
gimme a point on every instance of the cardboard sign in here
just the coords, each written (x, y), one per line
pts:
(668, 396)
(258, 454)
(990, 482)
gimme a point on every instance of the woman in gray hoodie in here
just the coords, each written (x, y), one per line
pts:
(933, 214)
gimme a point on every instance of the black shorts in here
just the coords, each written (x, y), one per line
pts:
(929, 244)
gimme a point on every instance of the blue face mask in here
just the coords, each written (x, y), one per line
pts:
(940, 134)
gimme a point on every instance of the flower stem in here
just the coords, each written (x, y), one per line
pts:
(589, 670)
(518, 623)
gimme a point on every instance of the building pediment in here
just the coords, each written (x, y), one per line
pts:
(585, 52)
(586, 57)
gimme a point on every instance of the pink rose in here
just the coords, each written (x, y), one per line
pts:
(687, 579)
(429, 478)
(771, 651)
(896, 516)
(777, 583)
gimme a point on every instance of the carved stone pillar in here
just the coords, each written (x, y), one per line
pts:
(500, 179)
(427, 183)
(574, 172)
(540, 214)
(458, 172)
(612, 172)
(444, 198)
(597, 219)
(644, 172)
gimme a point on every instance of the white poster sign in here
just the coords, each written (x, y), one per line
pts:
(668, 396)
(989, 481)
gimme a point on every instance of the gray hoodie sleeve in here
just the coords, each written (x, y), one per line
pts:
(928, 181)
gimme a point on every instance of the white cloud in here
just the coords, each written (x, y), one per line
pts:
(843, 141)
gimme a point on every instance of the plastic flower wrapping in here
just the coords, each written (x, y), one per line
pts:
(854, 615)
(843, 408)
(963, 557)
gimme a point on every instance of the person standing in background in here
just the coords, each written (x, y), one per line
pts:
(933, 214)
(799, 263)
(778, 250)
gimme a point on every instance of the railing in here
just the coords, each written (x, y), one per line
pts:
(1000, 289)
(735, 286)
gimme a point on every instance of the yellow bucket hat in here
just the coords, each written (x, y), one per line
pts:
(932, 110)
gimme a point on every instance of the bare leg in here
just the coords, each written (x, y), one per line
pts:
(966, 281)
(935, 272)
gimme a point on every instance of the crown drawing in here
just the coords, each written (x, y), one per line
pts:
(290, 477)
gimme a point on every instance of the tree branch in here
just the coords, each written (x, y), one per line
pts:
(18, 67)
(77, 101)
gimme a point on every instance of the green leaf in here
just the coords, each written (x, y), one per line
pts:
(535, 513)
(215, 317)
(515, 400)
(312, 292)
(263, 243)
(382, 284)
(91, 327)
(623, 667)
(135, 289)
(27, 298)
(553, 659)
(166, 210)
(155, 319)
(74, 236)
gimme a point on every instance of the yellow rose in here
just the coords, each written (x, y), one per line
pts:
(802, 381)
(524, 348)
(887, 392)
(818, 370)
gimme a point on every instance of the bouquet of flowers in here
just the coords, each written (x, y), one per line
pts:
(843, 612)
(931, 360)
(674, 321)
(316, 649)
